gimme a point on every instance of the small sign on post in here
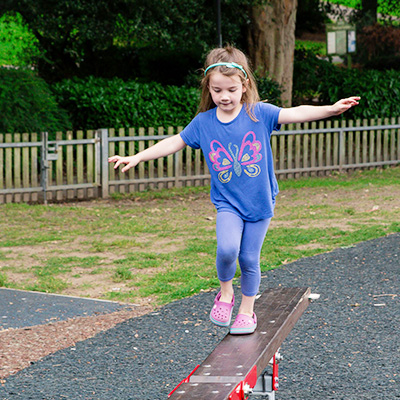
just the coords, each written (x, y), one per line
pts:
(341, 40)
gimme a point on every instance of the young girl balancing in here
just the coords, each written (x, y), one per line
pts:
(233, 129)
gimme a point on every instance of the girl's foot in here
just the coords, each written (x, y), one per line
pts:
(244, 324)
(221, 313)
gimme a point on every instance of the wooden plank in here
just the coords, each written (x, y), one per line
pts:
(372, 145)
(1, 162)
(34, 167)
(79, 165)
(328, 146)
(170, 160)
(274, 146)
(70, 166)
(392, 140)
(398, 140)
(131, 152)
(9, 169)
(321, 148)
(90, 163)
(282, 153)
(350, 145)
(141, 169)
(386, 141)
(297, 151)
(121, 152)
(379, 142)
(111, 152)
(313, 148)
(305, 152)
(17, 161)
(289, 153)
(178, 163)
(277, 310)
(151, 162)
(357, 143)
(189, 168)
(160, 161)
(60, 168)
(25, 166)
(365, 144)
(17, 167)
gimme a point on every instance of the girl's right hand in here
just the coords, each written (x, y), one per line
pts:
(129, 161)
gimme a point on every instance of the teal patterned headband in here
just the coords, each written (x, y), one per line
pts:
(228, 65)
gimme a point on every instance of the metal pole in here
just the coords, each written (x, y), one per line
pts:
(219, 33)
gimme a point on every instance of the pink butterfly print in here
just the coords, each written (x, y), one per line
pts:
(243, 159)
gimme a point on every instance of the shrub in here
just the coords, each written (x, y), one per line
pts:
(27, 104)
(19, 47)
(94, 103)
(377, 44)
(269, 90)
(319, 80)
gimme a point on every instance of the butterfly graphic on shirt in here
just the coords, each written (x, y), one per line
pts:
(236, 159)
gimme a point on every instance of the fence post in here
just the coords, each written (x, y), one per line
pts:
(44, 165)
(104, 162)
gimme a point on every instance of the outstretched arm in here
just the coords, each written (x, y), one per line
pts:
(314, 113)
(161, 149)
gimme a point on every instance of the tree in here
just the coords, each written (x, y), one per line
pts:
(71, 33)
(271, 39)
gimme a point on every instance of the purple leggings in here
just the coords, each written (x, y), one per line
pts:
(239, 239)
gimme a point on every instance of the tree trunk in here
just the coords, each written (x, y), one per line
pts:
(271, 40)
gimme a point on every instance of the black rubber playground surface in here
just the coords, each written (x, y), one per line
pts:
(345, 347)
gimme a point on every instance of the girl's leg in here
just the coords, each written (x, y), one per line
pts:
(249, 260)
(229, 236)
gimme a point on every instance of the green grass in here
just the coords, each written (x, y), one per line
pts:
(318, 48)
(161, 244)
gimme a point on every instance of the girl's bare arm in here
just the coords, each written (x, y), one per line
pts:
(161, 149)
(314, 113)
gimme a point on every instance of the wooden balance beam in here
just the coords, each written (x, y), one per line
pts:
(238, 361)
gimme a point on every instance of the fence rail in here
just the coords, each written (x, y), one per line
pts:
(73, 165)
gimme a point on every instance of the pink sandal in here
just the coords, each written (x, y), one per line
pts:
(221, 313)
(244, 325)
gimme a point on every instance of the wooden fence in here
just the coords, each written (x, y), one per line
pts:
(73, 165)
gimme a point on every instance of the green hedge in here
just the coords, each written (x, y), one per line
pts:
(112, 103)
(96, 102)
(27, 104)
(320, 80)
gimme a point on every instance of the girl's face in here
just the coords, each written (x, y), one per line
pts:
(226, 92)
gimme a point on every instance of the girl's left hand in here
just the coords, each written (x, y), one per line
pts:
(345, 104)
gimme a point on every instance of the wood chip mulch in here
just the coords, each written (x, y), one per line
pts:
(21, 347)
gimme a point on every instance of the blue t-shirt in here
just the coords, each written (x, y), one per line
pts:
(239, 157)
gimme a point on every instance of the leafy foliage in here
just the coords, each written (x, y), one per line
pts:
(103, 38)
(320, 81)
(103, 103)
(113, 103)
(379, 47)
(27, 104)
(18, 45)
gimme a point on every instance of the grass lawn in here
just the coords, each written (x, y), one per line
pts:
(158, 246)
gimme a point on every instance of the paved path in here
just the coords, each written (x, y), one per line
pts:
(19, 309)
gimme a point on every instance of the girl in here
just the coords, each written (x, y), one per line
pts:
(233, 129)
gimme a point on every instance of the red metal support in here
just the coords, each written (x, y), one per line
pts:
(186, 380)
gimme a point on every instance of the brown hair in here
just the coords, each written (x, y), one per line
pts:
(229, 54)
